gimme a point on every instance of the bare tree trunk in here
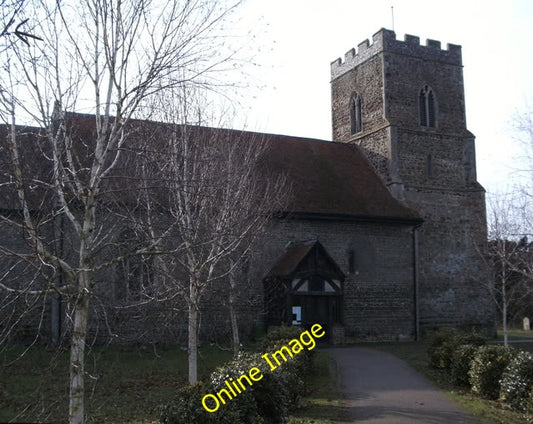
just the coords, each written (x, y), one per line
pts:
(77, 358)
(233, 314)
(504, 307)
(81, 313)
(193, 333)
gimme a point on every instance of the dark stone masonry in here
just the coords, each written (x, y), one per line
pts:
(429, 168)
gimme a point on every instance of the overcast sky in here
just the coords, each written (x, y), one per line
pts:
(298, 39)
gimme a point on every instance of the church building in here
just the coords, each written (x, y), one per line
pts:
(388, 265)
(383, 234)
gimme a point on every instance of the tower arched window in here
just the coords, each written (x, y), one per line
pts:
(426, 102)
(356, 112)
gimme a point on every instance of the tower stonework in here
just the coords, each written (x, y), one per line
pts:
(403, 104)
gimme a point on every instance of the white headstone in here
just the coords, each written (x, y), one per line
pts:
(527, 327)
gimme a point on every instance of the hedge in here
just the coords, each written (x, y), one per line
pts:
(461, 363)
(487, 369)
(517, 380)
(443, 343)
(187, 408)
(266, 401)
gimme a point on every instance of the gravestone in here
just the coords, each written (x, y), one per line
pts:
(526, 325)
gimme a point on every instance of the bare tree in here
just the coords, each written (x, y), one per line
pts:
(13, 23)
(106, 57)
(233, 285)
(523, 126)
(509, 259)
(522, 129)
(219, 200)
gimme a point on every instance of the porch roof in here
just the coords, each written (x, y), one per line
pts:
(298, 256)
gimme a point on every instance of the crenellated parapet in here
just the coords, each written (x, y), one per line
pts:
(385, 41)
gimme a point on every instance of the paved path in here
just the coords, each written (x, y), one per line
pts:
(379, 388)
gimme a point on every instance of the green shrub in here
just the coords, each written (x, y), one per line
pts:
(269, 395)
(282, 333)
(272, 398)
(487, 368)
(187, 408)
(529, 408)
(442, 344)
(266, 401)
(440, 348)
(517, 380)
(472, 339)
(460, 364)
(293, 372)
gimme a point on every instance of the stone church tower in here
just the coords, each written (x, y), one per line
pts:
(403, 104)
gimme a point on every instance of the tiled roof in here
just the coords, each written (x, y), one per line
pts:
(326, 178)
(290, 259)
(331, 178)
(305, 254)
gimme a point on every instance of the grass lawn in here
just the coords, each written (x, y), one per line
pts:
(122, 385)
(489, 412)
(127, 385)
(519, 336)
(324, 404)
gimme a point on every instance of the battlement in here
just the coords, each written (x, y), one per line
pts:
(385, 41)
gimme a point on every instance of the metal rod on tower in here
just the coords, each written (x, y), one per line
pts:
(392, 15)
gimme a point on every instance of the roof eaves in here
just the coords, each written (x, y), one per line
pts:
(401, 220)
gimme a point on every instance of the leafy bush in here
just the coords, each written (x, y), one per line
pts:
(442, 344)
(266, 401)
(187, 408)
(517, 380)
(440, 348)
(472, 339)
(293, 372)
(283, 333)
(529, 413)
(272, 399)
(269, 395)
(461, 363)
(487, 368)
